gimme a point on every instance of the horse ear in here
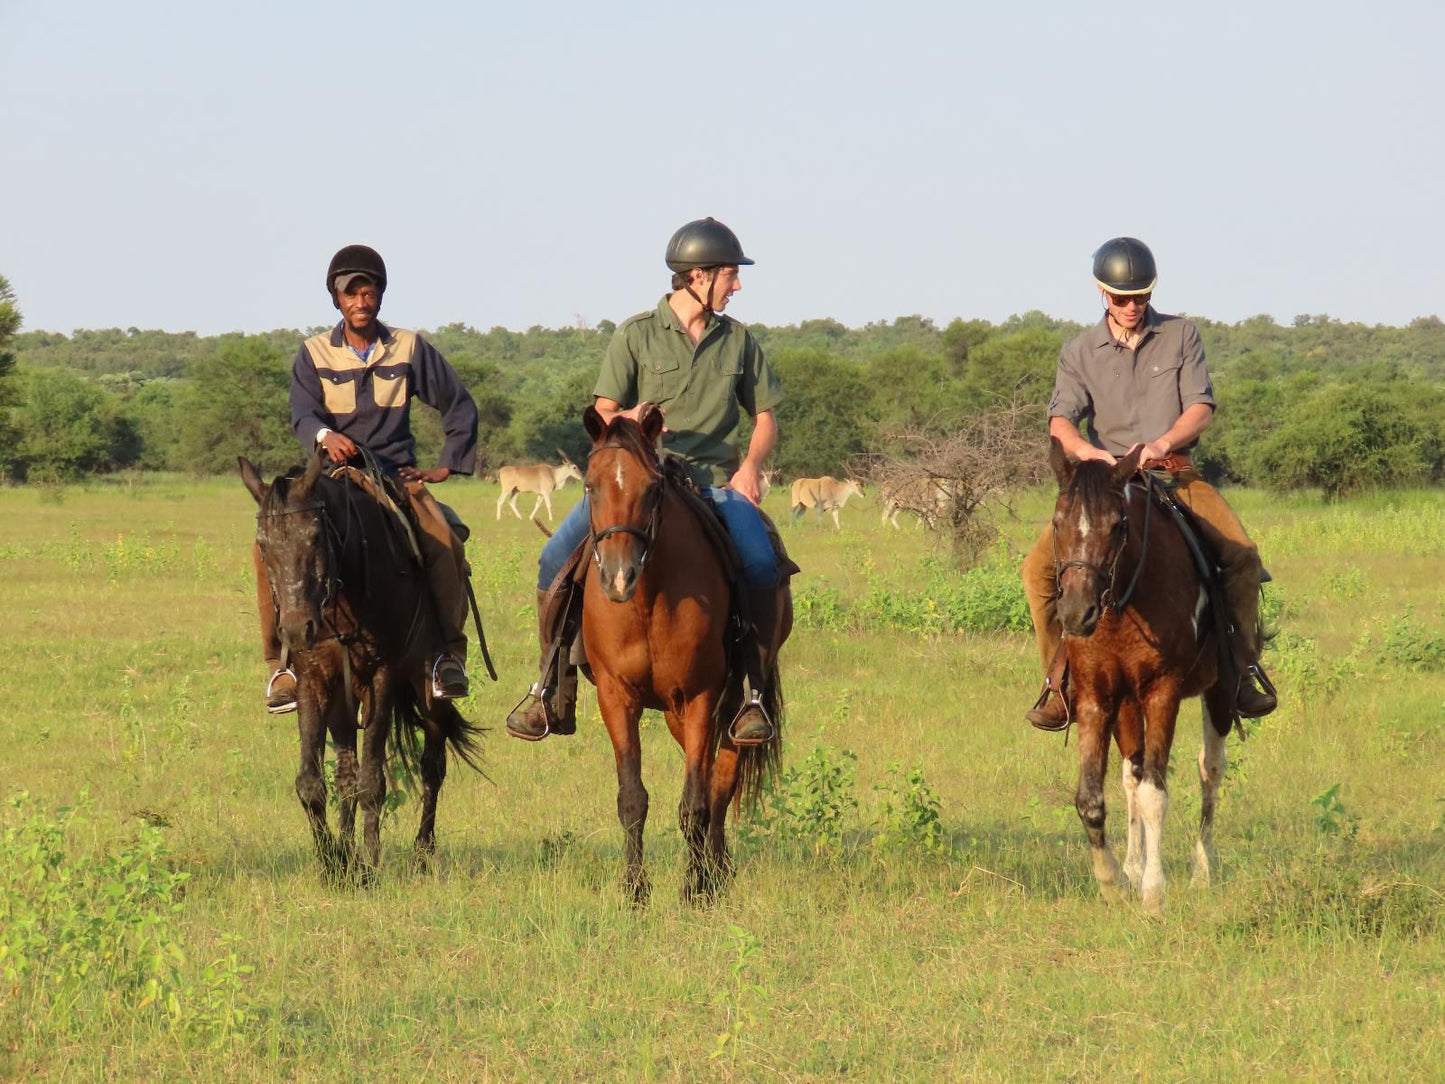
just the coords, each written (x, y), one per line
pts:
(651, 422)
(1126, 468)
(1059, 460)
(301, 491)
(251, 479)
(593, 423)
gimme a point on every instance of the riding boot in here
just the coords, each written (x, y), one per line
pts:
(1051, 711)
(280, 678)
(759, 615)
(545, 710)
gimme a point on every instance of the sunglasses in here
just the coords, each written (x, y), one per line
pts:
(1123, 299)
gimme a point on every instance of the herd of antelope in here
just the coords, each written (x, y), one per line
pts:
(929, 498)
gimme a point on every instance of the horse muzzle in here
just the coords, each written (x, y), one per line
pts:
(618, 578)
(1079, 614)
(299, 631)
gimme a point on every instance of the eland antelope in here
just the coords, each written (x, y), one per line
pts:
(928, 498)
(539, 478)
(825, 494)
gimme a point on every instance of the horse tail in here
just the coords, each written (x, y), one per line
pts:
(409, 724)
(757, 764)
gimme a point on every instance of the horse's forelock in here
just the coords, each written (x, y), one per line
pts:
(1092, 483)
(627, 433)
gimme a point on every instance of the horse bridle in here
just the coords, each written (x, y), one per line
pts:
(1107, 598)
(648, 537)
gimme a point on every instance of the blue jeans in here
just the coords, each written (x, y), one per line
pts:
(744, 524)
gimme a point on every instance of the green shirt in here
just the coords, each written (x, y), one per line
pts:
(652, 359)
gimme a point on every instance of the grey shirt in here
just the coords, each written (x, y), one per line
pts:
(1131, 396)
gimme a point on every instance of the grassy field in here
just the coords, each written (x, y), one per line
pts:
(917, 905)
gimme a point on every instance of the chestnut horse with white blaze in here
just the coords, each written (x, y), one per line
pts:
(1139, 641)
(655, 623)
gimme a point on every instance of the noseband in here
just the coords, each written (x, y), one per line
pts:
(648, 536)
(1120, 542)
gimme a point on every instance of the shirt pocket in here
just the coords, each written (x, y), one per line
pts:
(338, 391)
(659, 378)
(1163, 384)
(389, 389)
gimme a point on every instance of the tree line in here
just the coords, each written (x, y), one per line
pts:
(1318, 403)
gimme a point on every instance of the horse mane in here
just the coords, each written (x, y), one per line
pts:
(627, 434)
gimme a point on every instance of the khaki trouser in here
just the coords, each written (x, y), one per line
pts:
(444, 556)
(1221, 528)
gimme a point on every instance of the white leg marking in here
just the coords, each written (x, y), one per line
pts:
(1153, 806)
(1134, 849)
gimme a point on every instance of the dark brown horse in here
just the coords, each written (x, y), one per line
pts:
(1139, 640)
(655, 622)
(357, 621)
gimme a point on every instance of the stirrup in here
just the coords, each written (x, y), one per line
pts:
(280, 709)
(535, 694)
(1036, 717)
(756, 701)
(437, 692)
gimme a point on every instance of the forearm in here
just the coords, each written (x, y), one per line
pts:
(764, 439)
(1067, 434)
(1194, 421)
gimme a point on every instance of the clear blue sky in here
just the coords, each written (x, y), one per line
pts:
(194, 165)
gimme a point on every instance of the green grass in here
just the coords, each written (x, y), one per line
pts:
(130, 656)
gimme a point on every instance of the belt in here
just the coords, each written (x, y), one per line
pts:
(1174, 463)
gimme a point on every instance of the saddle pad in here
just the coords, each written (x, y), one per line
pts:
(383, 496)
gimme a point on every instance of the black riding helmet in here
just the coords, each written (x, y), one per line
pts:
(1125, 266)
(705, 242)
(355, 260)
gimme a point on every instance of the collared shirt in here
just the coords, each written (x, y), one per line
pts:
(651, 358)
(1131, 396)
(369, 400)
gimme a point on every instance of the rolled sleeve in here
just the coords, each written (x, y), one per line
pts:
(618, 379)
(308, 409)
(1071, 399)
(759, 389)
(1194, 383)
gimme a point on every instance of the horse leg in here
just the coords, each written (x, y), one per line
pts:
(724, 787)
(1216, 705)
(433, 775)
(372, 788)
(620, 712)
(1161, 710)
(343, 740)
(310, 783)
(1129, 736)
(693, 811)
(1089, 799)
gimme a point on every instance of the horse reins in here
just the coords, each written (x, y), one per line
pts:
(1107, 597)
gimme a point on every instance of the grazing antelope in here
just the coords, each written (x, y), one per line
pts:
(540, 478)
(928, 498)
(825, 494)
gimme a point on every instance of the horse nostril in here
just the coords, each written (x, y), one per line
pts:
(1091, 617)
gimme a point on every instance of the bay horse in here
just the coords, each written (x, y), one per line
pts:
(356, 619)
(1139, 640)
(655, 621)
